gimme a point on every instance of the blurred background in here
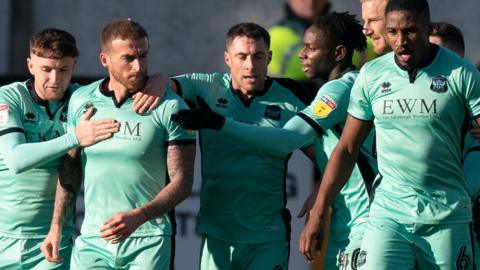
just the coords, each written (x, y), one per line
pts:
(185, 36)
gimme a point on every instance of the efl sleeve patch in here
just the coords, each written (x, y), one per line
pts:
(3, 113)
(325, 105)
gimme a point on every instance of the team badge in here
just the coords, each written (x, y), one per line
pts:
(273, 112)
(3, 113)
(439, 84)
(324, 107)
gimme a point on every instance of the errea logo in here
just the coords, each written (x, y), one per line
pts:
(385, 87)
(222, 103)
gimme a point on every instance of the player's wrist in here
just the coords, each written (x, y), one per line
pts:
(142, 213)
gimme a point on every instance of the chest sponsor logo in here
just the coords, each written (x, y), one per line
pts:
(129, 131)
(386, 87)
(439, 84)
(3, 113)
(325, 105)
(30, 118)
(222, 103)
(273, 112)
(409, 108)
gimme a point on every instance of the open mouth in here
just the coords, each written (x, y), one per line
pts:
(404, 56)
(250, 79)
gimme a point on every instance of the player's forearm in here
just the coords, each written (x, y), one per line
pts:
(337, 172)
(20, 156)
(279, 141)
(68, 186)
(180, 164)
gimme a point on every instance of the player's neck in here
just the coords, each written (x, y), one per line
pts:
(118, 89)
(339, 70)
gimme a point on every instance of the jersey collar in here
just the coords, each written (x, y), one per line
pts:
(110, 93)
(238, 92)
(412, 72)
(44, 103)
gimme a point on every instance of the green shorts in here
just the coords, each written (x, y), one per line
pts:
(220, 255)
(388, 244)
(25, 254)
(343, 255)
(142, 253)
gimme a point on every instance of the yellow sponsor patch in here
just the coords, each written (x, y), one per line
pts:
(325, 105)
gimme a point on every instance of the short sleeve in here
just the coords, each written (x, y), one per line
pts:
(329, 107)
(10, 109)
(360, 105)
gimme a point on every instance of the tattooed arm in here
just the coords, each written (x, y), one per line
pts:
(68, 186)
(180, 161)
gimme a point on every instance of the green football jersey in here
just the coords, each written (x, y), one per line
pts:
(470, 167)
(418, 121)
(129, 169)
(327, 114)
(26, 203)
(243, 196)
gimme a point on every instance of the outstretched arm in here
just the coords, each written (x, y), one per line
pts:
(68, 186)
(20, 156)
(336, 174)
(180, 161)
(295, 134)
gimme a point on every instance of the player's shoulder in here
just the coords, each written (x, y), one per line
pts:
(14, 89)
(16, 93)
(170, 100)
(344, 82)
(84, 91)
(378, 64)
(292, 88)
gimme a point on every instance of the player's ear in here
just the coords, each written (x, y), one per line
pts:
(30, 65)
(340, 52)
(269, 57)
(104, 59)
(227, 58)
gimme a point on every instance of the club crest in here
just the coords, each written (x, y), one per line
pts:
(439, 84)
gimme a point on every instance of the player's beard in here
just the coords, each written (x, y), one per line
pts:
(131, 83)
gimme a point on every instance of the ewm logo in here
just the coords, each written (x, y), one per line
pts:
(129, 131)
(410, 105)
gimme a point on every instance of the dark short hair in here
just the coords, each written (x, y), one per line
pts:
(419, 7)
(250, 30)
(123, 29)
(53, 43)
(343, 29)
(450, 34)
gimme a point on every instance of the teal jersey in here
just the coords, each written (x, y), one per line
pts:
(26, 203)
(327, 115)
(129, 169)
(243, 197)
(418, 130)
(471, 146)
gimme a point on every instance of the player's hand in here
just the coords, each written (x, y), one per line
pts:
(149, 97)
(202, 117)
(475, 132)
(90, 132)
(50, 245)
(312, 236)
(122, 225)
